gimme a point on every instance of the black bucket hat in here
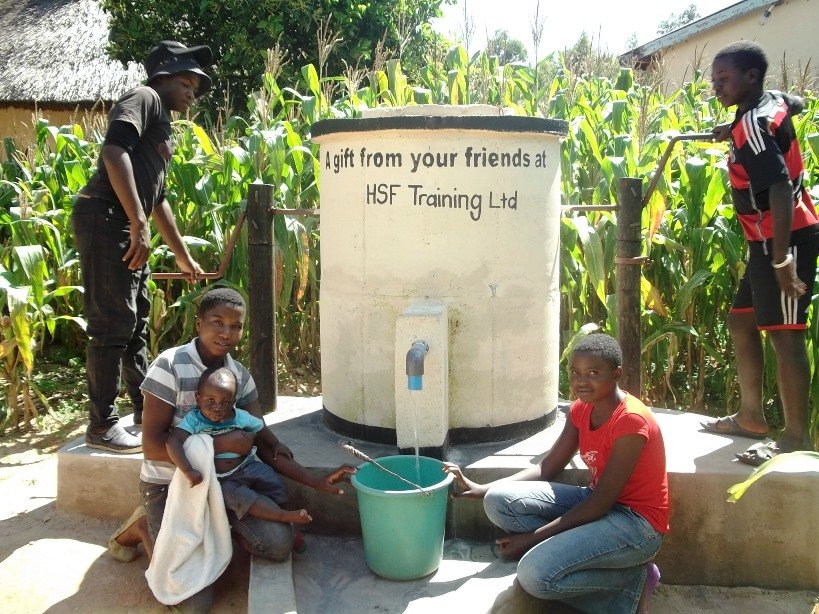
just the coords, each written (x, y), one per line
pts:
(170, 58)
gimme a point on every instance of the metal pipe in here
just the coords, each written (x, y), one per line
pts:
(568, 208)
(767, 12)
(629, 246)
(415, 364)
(348, 447)
(225, 257)
(261, 286)
(703, 136)
(231, 245)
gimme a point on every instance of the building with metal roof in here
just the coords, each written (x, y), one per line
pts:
(786, 29)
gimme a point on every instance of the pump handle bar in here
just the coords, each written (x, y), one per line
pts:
(703, 136)
(222, 265)
(232, 244)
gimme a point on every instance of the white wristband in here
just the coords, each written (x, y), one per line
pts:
(780, 265)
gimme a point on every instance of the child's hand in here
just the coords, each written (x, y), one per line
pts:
(468, 488)
(194, 477)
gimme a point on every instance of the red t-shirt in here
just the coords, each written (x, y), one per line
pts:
(646, 491)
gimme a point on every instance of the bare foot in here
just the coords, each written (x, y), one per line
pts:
(137, 533)
(297, 516)
(786, 443)
(266, 509)
(512, 547)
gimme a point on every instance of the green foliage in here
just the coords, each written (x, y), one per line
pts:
(239, 32)
(506, 49)
(584, 60)
(39, 292)
(675, 21)
(791, 462)
(618, 127)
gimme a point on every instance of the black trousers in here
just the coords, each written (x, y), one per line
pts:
(116, 308)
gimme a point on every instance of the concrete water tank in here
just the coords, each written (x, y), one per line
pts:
(441, 224)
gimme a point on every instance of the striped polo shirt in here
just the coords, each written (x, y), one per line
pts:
(173, 378)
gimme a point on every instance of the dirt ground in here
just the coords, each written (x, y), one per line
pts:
(56, 562)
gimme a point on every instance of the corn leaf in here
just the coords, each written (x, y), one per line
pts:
(790, 462)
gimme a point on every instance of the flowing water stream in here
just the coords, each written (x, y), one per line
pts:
(413, 406)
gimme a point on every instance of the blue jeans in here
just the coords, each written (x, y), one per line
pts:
(596, 567)
(116, 308)
(251, 481)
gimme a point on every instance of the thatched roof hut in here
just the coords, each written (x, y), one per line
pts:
(52, 53)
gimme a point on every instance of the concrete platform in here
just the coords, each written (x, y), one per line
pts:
(768, 539)
(271, 583)
(332, 576)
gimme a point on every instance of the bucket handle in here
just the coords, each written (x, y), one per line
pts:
(347, 446)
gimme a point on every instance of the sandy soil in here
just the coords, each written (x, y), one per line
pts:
(54, 561)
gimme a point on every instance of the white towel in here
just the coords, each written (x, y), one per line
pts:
(193, 547)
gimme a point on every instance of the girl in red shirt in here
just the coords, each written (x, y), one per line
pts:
(591, 546)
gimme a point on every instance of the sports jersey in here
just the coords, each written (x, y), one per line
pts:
(646, 491)
(764, 152)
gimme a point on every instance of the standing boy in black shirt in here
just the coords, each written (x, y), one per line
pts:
(113, 237)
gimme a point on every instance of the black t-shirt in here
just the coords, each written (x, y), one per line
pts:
(151, 153)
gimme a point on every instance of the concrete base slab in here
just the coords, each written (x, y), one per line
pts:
(270, 590)
(470, 579)
(333, 577)
(767, 539)
(96, 483)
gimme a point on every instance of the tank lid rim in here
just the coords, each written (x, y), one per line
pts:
(502, 123)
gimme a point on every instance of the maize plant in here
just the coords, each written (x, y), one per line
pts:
(618, 127)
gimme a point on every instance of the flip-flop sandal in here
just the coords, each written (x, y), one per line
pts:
(125, 554)
(758, 453)
(652, 578)
(712, 426)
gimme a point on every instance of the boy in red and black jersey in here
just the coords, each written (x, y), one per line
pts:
(782, 228)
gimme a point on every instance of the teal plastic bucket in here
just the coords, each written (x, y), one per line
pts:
(403, 528)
